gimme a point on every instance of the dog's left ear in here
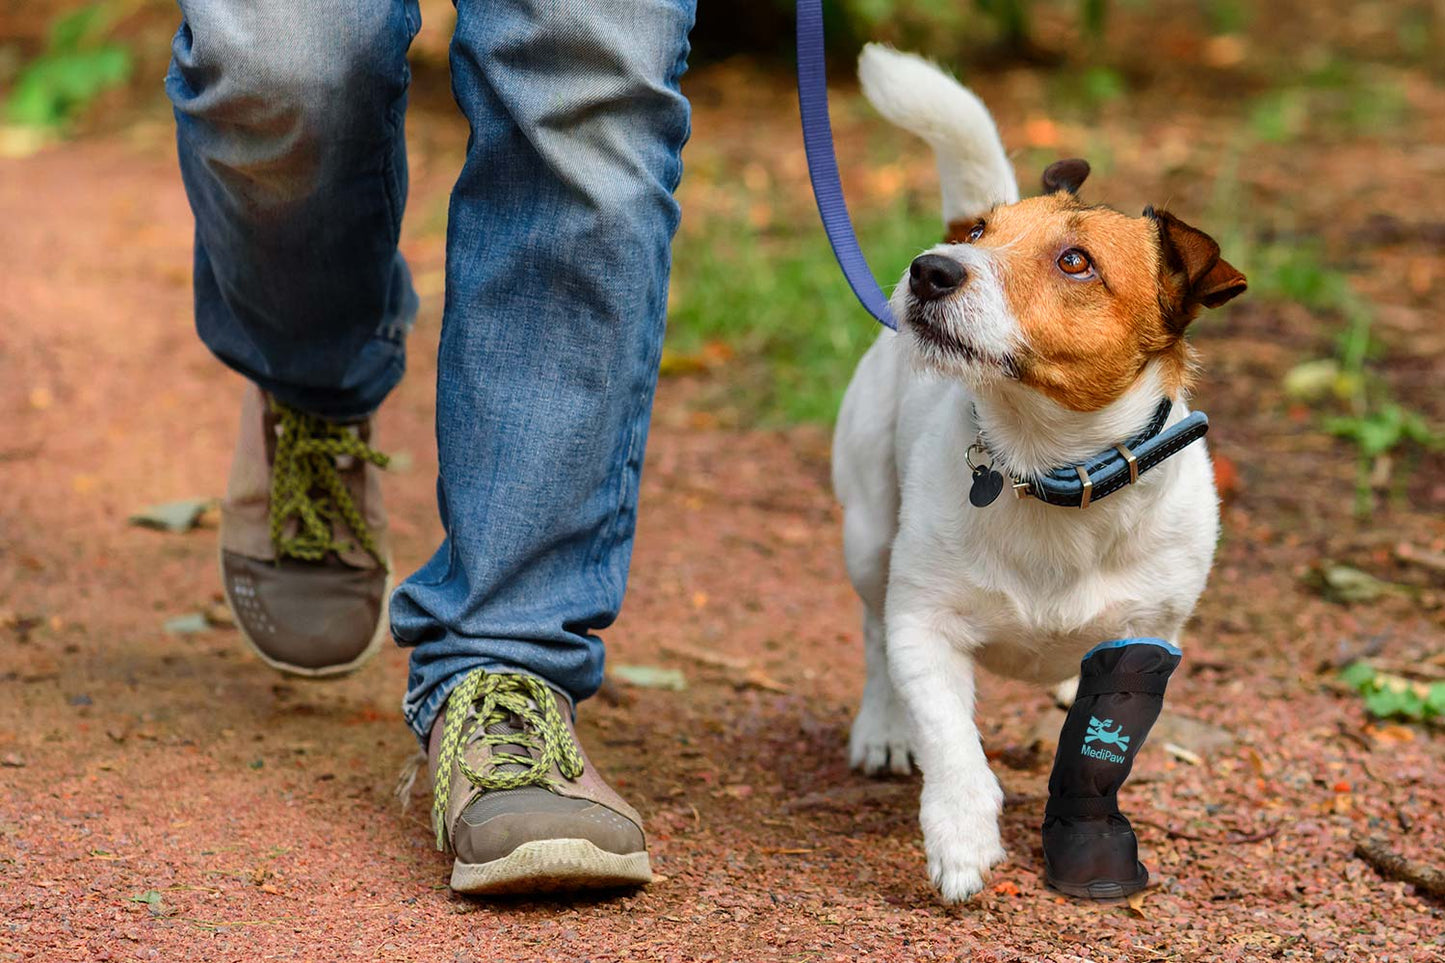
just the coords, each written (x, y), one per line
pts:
(1066, 175)
(1191, 272)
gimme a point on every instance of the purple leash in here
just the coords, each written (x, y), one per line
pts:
(823, 164)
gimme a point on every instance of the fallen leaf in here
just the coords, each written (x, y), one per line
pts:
(650, 677)
(1203, 738)
(1182, 754)
(180, 516)
(1136, 904)
(188, 624)
(1227, 480)
(1006, 888)
(1347, 585)
(1311, 380)
(221, 616)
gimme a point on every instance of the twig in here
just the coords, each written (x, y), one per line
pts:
(1346, 732)
(1414, 670)
(1392, 865)
(1237, 838)
(1425, 558)
(715, 659)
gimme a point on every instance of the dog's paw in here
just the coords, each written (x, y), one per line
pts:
(878, 744)
(962, 844)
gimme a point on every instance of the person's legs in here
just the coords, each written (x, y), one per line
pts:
(289, 128)
(557, 270)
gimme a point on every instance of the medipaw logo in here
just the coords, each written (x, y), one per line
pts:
(1099, 732)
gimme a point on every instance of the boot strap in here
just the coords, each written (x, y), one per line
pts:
(1086, 806)
(1122, 682)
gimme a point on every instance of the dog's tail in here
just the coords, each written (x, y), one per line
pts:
(922, 99)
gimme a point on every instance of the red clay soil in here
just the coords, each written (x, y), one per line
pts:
(168, 797)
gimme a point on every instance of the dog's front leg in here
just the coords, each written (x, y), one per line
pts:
(961, 797)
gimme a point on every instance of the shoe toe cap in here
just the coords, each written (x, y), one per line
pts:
(497, 822)
(303, 615)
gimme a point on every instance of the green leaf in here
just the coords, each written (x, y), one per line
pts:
(649, 676)
(150, 897)
(179, 516)
(1383, 703)
(1358, 675)
(1435, 699)
(71, 31)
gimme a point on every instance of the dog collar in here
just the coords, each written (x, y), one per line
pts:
(1081, 484)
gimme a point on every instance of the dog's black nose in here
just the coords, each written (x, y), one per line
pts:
(931, 276)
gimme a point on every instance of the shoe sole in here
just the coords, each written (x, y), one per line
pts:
(320, 672)
(1102, 888)
(551, 866)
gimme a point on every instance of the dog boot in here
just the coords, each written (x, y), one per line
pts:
(1089, 847)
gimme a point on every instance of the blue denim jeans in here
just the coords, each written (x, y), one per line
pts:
(289, 119)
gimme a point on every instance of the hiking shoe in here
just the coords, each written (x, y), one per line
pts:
(516, 800)
(303, 540)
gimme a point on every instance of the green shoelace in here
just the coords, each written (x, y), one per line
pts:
(306, 486)
(484, 699)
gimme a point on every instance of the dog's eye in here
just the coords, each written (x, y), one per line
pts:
(976, 232)
(1075, 263)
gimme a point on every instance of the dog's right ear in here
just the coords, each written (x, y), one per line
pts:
(1066, 175)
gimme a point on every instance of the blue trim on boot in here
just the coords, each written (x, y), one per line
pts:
(1120, 643)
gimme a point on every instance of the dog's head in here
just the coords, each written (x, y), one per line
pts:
(1068, 299)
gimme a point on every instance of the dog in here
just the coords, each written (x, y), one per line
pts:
(1038, 334)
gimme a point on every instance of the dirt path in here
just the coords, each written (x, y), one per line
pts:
(259, 812)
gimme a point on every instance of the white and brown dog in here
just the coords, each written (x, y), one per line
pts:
(1040, 333)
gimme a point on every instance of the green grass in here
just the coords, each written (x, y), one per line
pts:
(1334, 99)
(780, 302)
(78, 64)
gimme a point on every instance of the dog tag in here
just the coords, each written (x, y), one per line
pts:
(986, 486)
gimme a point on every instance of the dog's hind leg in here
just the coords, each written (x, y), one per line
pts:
(865, 478)
(878, 743)
(1064, 693)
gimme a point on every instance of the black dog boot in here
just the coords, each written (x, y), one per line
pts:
(1089, 847)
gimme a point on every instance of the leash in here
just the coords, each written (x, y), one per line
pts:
(823, 164)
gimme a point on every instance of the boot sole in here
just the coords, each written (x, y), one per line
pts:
(325, 671)
(1102, 888)
(551, 866)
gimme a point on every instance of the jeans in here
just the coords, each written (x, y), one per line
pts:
(290, 130)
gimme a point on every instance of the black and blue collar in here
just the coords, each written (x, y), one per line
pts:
(1081, 484)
